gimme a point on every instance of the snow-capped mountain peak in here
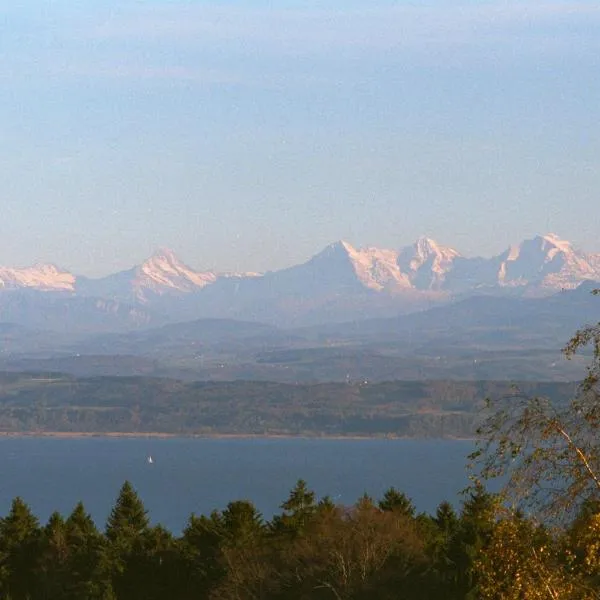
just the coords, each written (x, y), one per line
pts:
(44, 277)
(422, 265)
(545, 260)
(164, 272)
(341, 247)
(341, 281)
(557, 242)
(161, 274)
(424, 246)
(372, 268)
(377, 268)
(427, 263)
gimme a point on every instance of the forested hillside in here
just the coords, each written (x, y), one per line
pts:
(32, 402)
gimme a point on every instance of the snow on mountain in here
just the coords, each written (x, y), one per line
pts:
(420, 266)
(548, 263)
(331, 269)
(426, 263)
(541, 265)
(376, 269)
(41, 277)
(163, 273)
(338, 273)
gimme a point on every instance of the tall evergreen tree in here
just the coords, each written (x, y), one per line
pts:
(473, 534)
(155, 568)
(86, 547)
(242, 552)
(199, 556)
(19, 551)
(242, 523)
(125, 530)
(298, 510)
(53, 571)
(442, 571)
(128, 519)
(398, 502)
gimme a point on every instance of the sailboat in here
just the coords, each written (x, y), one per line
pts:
(149, 460)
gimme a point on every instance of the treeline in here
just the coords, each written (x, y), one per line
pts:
(310, 550)
(37, 402)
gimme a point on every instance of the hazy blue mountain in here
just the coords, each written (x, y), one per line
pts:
(68, 313)
(340, 283)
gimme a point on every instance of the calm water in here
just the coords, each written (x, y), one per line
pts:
(198, 475)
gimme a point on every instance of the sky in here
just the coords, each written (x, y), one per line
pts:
(248, 135)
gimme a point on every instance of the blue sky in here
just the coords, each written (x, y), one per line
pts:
(248, 135)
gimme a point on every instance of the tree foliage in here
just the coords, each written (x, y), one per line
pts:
(547, 456)
(547, 453)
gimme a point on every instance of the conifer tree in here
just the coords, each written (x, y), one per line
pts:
(242, 522)
(53, 571)
(300, 498)
(396, 501)
(442, 573)
(199, 555)
(242, 552)
(326, 505)
(19, 550)
(86, 546)
(125, 530)
(446, 519)
(128, 519)
(365, 503)
(473, 534)
(155, 567)
(298, 509)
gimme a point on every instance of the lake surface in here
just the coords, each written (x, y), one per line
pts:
(199, 475)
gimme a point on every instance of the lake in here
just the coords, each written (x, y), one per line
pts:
(201, 474)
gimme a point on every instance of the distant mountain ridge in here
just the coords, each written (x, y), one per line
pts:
(43, 277)
(161, 274)
(341, 282)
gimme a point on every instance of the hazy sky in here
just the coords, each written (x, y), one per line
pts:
(248, 134)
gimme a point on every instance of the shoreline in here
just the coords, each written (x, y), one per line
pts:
(223, 436)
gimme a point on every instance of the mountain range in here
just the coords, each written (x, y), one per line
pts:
(340, 283)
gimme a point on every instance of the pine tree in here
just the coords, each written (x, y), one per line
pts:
(80, 525)
(442, 574)
(125, 530)
(200, 555)
(154, 567)
(86, 546)
(326, 505)
(128, 519)
(396, 501)
(19, 551)
(242, 552)
(446, 519)
(298, 510)
(242, 522)
(300, 499)
(365, 504)
(53, 569)
(473, 534)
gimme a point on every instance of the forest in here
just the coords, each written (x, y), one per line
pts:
(312, 549)
(52, 402)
